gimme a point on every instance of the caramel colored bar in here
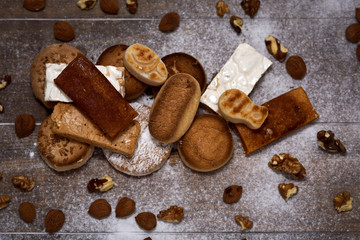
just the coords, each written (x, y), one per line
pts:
(287, 113)
(95, 96)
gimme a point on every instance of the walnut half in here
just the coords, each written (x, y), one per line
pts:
(343, 202)
(23, 182)
(287, 190)
(173, 214)
(222, 8)
(244, 222)
(327, 142)
(288, 164)
(4, 201)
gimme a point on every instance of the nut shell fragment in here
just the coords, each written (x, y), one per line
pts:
(287, 190)
(173, 214)
(343, 202)
(23, 182)
(288, 164)
(244, 222)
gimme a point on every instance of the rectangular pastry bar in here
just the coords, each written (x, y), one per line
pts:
(287, 113)
(95, 96)
(71, 123)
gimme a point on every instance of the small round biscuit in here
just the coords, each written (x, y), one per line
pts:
(60, 153)
(56, 53)
(114, 56)
(207, 145)
(149, 155)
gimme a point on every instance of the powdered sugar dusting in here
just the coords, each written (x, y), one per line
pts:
(149, 154)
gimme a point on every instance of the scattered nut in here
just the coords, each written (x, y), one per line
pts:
(296, 67)
(54, 220)
(287, 190)
(5, 81)
(125, 207)
(236, 23)
(275, 48)
(244, 222)
(343, 202)
(27, 212)
(63, 31)
(169, 22)
(109, 6)
(357, 14)
(24, 125)
(86, 4)
(103, 184)
(4, 201)
(352, 32)
(34, 5)
(173, 214)
(288, 164)
(327, 142)
(358, 51)
(250, 7)
(222, 8)
(232, 194)
(131, 6)
(100, 209)
(1, 108)
(23, 182)
(146, 220)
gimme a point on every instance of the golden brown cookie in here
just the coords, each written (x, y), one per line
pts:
(60, 153)
(207, 145)
(56, 53)
(114, 56)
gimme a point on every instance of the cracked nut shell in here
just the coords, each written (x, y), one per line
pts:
(34, 5)
(296, 67)
(169, 22)
(232, 194)
(54, 220)
(24, 125)
(100, 209)
(352, 32)
(125, 207)
(27, 212)
(146, 220)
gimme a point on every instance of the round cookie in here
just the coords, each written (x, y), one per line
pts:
(56, 53)
(184, 63)
(60, 153)
(149, 155)
(207, 145)
(114, 56)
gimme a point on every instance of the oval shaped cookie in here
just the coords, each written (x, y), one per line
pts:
(145, 65)
(207, 145)
(56, 53)
(60, 153)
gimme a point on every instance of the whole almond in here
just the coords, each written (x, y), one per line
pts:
(24, 125)
(169, 22)
(99, 209)
(146, 220)
(125, 207)
(27, 212)
(63, 31)
(296, 67)
(34, 5)
(352, 32)
(109, 6)
(54, 220)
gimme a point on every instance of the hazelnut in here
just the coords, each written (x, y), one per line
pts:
(232, 194)
(287, 163)
(4, 201)
(287, 190)
(23, 182)
(173, 214)
(236, 23)
(86, 4)
(343, 202)
(250, 7)
(222, 8)
(131, 6)
(275, 48)
(5, 81)
(244, 222)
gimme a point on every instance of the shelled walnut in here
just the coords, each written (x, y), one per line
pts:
(288, 164)
(4, 201)
(173, 214)
(222, 8)
(103, 184)
(343, 202)
(250, 7)
(244, 222)
(23, 182)
(287, 190)
(327, 142)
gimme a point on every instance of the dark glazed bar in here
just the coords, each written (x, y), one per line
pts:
(287, 113)
(94, 95)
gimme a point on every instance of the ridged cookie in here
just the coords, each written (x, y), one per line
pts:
(145, 65)
(149, 155)
(56, 53)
